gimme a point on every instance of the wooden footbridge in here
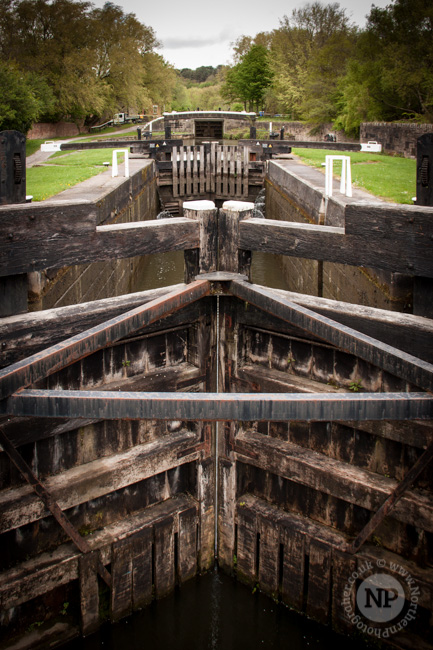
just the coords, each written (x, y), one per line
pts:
(154, 430)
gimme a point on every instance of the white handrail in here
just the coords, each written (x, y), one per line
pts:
(115, 170)
(346, 175)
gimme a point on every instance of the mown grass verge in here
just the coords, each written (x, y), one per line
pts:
(387, 177)
(64, 170)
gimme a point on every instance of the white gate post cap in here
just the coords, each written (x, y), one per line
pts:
(198, 205)
(238, 206)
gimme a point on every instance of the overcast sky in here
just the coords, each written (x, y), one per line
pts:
(197, 32)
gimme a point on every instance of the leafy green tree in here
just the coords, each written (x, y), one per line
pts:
(93, 59)
(309, 53)
(249, 79)
(121, 44)
(390, 75)
(23, 99)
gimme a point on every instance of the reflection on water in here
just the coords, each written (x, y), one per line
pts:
(162, 270)
(165, 269)
(215, 612)
(266, 270)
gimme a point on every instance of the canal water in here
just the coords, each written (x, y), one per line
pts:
(167, 269)
(215, 612)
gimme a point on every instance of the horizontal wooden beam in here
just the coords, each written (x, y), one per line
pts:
(22, 431)
(60, 249)
(407, 332)
(20, 506)
(389, 240)
(220, 406)
(47, 571)
(25, 334)
(42, 364)
(341, 480)
(396, 362)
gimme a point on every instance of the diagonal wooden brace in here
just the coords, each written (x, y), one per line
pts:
(390, 502)
(51, 504)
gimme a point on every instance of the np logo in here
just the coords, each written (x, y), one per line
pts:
(380, 598)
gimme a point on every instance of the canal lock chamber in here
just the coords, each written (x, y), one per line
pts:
(277, 500)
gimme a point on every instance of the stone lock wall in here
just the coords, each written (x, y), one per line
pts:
(399, 138)
(134, 200)
(289, 198)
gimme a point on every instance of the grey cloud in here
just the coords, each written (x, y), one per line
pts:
(182, 43)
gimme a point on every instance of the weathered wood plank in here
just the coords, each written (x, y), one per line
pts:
(47, 571)
(41, 365)
(202, 169)
(319, 582)
(174, 162)
(332, 244)
(333, 477)
(343, 593)
(187, 544)
(47, 220)
(142, 568)
(89, 592)
(121, 579)
(164, 557)
(269, 557)
(195, 176)
(247, 544)
(182, 171)
(292, 588)
(246, 162)
(104, 243)
(25, 334)
(406, 332)
(401, 364)
(92, 480)
(231, 171)
(188, 164)
(220, 406)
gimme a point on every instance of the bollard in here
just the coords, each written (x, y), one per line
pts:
(167, 132)
(139, 133)
(424, 170)
(203, 259)
(230, 257)
(12, 167)
(253, 132)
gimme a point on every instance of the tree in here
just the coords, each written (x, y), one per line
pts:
(23, 99)
(249, 79)
(390, 75)
(309, 53)
(91, 58)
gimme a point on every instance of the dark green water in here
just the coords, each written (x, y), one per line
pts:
(166, 269)
(215, 612)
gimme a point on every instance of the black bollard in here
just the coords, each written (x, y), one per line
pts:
(167, 132)
(12, 167)
(253, 132)
(139, 133)
(424, 170)
(282, 133)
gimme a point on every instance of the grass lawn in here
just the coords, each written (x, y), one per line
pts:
(388, 177)
(65, 169)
